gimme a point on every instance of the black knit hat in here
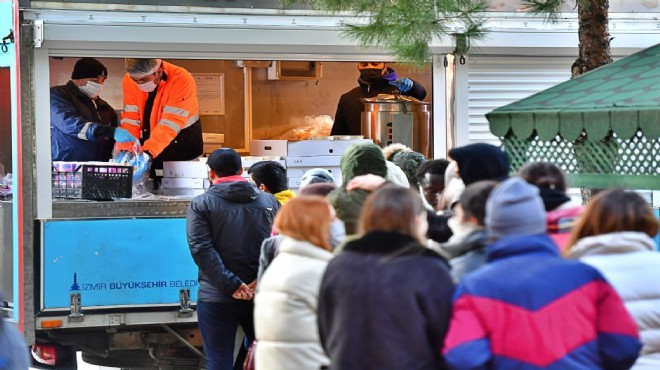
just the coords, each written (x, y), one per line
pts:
(88, 68)
(225, 162)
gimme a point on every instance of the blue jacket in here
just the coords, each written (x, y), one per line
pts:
(79, 129)
(530, 309)
(225, 228)
(384, 304)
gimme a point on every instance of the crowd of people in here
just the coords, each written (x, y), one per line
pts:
(454, 264)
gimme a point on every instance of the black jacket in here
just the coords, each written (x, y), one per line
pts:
(225, 228)
(385, 303)
(348, 118)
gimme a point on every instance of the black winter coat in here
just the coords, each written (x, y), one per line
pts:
(348, 118)
(225, 228)
(385, 303)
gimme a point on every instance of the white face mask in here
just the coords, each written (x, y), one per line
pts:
(92, 89)
(148, 86)
(337, 232)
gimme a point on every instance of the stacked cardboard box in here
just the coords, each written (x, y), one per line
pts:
(307, 154)
(185, 178)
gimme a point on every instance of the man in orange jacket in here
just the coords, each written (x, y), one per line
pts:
(161, 110)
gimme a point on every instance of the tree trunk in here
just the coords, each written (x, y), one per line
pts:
(594, 51)
(594, 37)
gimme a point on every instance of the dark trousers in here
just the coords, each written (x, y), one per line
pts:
(218, 322)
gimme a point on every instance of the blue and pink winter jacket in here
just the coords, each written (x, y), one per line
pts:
(528, 308)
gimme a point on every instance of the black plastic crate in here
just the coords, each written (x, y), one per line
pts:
(92, 181)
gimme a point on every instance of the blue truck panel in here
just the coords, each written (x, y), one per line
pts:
(116, 262)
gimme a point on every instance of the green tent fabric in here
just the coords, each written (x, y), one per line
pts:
(623, 96)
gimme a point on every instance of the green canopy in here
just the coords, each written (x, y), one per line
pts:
(623, 96)
(613, 110)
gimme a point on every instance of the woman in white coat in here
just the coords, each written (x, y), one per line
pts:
(615, 236)
(286, 302)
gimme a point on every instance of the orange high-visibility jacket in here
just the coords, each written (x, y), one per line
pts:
(175, 108)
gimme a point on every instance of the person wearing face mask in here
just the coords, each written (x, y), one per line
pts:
(466, 249)
(83, 127)
(375, 78)
(162, 111)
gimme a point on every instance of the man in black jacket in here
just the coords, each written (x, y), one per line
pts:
(375, 78)
(225, 228)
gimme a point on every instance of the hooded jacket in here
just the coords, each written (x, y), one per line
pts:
(225, 228)
(631, 264)
(348, 118)
(81, 129)
(359, 159)
(530, 309)
(385, 304)
(480, 161)
(467, 253)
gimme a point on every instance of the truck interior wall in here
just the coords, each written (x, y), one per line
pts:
(277, 105)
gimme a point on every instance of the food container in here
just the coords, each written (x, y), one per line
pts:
(389, 119)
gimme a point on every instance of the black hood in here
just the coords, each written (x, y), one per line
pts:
(236, 192)
(480, 161)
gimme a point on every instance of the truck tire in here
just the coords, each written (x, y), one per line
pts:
(137, 360)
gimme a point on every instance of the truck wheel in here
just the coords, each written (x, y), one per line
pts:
(134, 360)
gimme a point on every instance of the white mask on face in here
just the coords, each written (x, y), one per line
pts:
(92, 89)
(148, 86)
(337, 233)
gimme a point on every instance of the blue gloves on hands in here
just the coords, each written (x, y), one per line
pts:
(123, 136)
(403, 84)
(125, 157)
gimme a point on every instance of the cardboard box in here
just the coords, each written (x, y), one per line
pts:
(249, 161)
(270, 148)
(300, 171)
(318, 161)
(183, 183)
(308, 148)
(212, 141)
(194, 169)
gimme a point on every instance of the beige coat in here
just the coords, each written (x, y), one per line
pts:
(285, 312)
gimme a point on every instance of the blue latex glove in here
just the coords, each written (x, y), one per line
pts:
(122, 135)
(403, 84)
(125, 157)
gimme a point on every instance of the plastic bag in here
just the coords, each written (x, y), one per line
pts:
(6, 186)
(125, 153)
(311, 126)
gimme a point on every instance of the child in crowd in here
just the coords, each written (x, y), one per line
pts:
(528, 308)
(270, 176)
(467, 246)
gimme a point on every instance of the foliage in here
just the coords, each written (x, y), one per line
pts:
(409, 27)
(549, 8)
